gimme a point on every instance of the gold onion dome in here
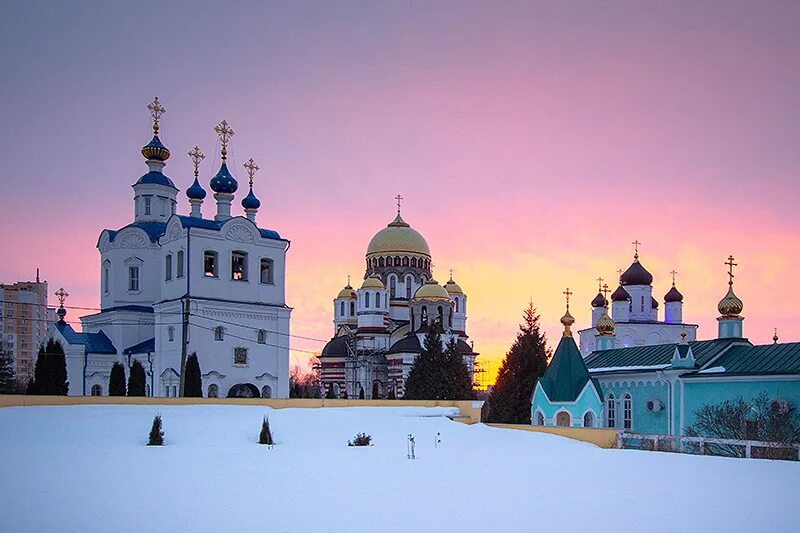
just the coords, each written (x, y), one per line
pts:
(373, 282)
(605, 326)
(347, 293)
(730, 306)
(398, 237)
(452, 287)
(431, 291)
(567, 320)
(155, 150)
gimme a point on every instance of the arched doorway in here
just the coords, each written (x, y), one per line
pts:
(266, 391)
(562, 419)
(588, 420)
(244, 390)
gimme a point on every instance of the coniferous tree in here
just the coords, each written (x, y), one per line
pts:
(193, 384)
(116, 381)
(156, 433)
(31, 387)
(137, 380)
(392, 394)
(376, 391)
(426, 377)
(50, 372)
(330, 395)
(343, 393)
(457, 383)
(8, 375)
(524, 364)
(265, 437)
(361, 393)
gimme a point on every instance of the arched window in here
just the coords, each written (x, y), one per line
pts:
(414, 262)
(380, 262)
(405, 260)
(352, 308)
(424, 314)
(341, 308)
(409, 283)
(213, 391)
(106, 274)
(240, 356)
(335, 390)
(378, 300)
(239, 266)
(267, 275)
(133, 278)
(611, 411)
(266, 391)
(366, 300)
(179, 265)
(97, 390)
(261, 336)
(393, 286)
(440, 315)
(642, 304)
(539, 418)
(588, 420)
(627, 412)
(458, 303)
(210, 264)
(168, 267)
(171, 333)
(563, 420)
(397, 261)
(219, 333)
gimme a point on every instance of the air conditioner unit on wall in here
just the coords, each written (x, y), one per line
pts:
(780, 406)
(654, 406)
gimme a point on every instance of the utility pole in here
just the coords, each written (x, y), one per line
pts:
(184, 342)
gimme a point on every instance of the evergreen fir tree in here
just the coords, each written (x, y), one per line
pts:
(524, 364)
(8, 375)
(361, 393)
(193, 384)
(156, 433)
(265, 437)
(116, 382)
(376, 394)
(137, 380)
(50, 372)
(330, 395)
(426, 378)
(343, 394)
(457, 383)
(392, 394)
(31, 387)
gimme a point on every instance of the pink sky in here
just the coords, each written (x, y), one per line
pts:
(532, 142)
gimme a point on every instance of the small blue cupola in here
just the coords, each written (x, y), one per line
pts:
(250, 203)
(223, 183)
(196, 193)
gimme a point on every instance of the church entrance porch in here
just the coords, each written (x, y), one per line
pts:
(244, 390)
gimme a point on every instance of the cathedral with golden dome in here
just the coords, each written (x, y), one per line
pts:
(380, 326)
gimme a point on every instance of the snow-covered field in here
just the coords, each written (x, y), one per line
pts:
(86, 469)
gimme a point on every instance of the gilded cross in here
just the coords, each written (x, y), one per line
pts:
(225, 133)
(61, 294)
(348, 280)
(599, 284)
(674, 273)
(730, 264)
(605, 290)
(636, 244)
(398, 198)
(196, 155)
(451, 274)
(251, 168)
(156, 111)
(567, 293)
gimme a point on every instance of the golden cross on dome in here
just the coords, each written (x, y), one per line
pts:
(599, 284)
(605, 290)
(451, 274)
(196, 155)
(567, 293)
(61, 294)
(398, 198)
(348, 280)
(225, 133)
(674, 273)
(251, 168)
(636, 244)
(730, 264)
(156, 111)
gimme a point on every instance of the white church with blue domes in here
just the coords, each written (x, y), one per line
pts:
(172, 285)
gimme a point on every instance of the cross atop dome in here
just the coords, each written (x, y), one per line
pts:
(196, 156)
(251, 169)
(225, 133)
(636, 244)
(730, 264)
(398, 198)
(156, 111)
(62, 295)
(673, 273)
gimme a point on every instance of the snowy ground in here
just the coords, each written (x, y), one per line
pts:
(86, 469)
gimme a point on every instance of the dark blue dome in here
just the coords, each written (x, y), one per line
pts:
(156, 178)
(673, 295)
(599, 300)
(195, 192)
(636, 275)
(224, 181)
(155, 150)
(620, 295)
(250, 201)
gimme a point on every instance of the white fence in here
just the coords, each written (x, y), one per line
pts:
(664, 442)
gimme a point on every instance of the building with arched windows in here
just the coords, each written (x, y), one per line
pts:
(172, 285)
(656, 389)
(380, 326)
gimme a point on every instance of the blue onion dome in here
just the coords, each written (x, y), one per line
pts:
(155, 150)
(636, 275)
(61, 312)
(155, 178)
(195, 192)
(223, 181)
(250, 201)
(599, 300)
(620, 295)
(654, 303)
(673, 296)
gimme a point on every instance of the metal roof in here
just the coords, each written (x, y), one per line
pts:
(148, 346)
(656, 355)
(767, 359)
(92, 342)
(566, 375)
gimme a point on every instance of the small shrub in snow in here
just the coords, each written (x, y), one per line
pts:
(265, 437)
(156, 433)
(362, 439)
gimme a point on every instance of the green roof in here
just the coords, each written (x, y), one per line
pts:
(566, 375)
(658, 356)
(757, 360)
